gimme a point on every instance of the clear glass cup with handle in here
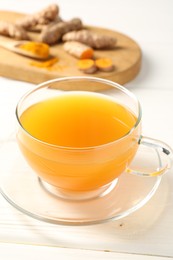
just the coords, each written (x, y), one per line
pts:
(82, 155)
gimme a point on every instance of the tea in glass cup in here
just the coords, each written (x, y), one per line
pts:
(79, 138)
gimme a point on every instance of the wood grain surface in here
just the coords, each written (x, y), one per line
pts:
(126, 58)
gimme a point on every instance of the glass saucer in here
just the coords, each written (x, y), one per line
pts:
(21, 187)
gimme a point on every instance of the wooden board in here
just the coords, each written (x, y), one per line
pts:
(126, 58)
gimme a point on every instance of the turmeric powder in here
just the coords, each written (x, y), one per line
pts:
(46, 64)
(37, 48)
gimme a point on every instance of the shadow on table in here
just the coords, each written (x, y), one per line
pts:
(145, 74)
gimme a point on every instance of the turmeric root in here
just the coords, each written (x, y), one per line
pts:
(53, 32)
(41, 27)
(44, 16)
(94, 40)
(13, 31)
(104, 64)
(78, 50)
(91, 66)
(87, 66)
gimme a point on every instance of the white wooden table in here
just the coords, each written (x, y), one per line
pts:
(147, 233)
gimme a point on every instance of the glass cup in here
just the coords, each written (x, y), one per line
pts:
(86, 171)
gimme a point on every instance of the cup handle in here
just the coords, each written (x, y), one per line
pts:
(153, 158)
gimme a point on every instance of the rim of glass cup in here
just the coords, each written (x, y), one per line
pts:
(79, 78)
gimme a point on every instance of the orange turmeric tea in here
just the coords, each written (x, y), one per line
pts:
(76, 120)
(74, 145)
